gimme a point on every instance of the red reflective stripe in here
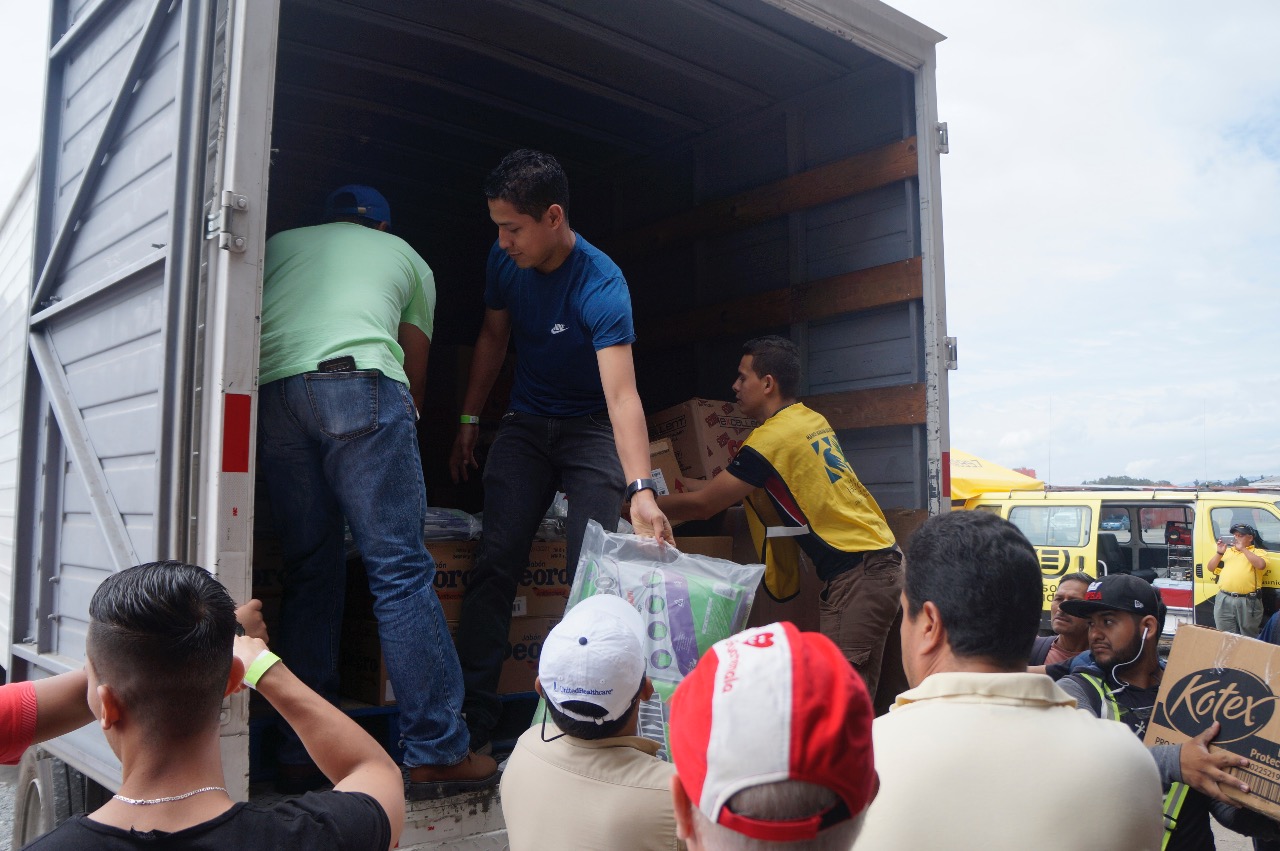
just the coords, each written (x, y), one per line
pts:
(946, 474)
(777, 488)
(235, 432)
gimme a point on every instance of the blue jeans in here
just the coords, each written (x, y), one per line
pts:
(345, 444)
(531, 457)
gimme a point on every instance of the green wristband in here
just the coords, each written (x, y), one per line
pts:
(469, 419)
(258, 667)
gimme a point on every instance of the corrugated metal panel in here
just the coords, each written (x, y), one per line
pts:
(106, 413)
(15, 289)
(754, 156)
(862, 113)
(877, 348)
(891, 462)
(857, 233)
(751, 260)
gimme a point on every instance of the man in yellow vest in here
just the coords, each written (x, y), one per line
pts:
(794, 456)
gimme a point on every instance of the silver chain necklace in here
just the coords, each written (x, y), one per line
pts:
(144, 802)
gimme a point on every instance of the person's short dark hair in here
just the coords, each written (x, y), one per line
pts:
(776, 356)
(983, 575)
(588, 729)
(1078, 576)
(530, 181)
(160, 634)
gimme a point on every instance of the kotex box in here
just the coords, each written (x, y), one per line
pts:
(1220, 676)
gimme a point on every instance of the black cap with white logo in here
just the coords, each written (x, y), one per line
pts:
(1119, 592)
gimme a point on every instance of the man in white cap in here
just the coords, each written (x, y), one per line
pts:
(581, 778)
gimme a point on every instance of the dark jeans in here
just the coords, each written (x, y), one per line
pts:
(858, 611)
(345, 443)
(531, 457)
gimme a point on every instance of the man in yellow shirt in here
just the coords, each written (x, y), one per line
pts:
(795, 456)
(1239, 568)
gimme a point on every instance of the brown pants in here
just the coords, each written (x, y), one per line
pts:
(858, 610)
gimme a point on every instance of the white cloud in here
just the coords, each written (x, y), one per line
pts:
(22, 60)
(1111, 210)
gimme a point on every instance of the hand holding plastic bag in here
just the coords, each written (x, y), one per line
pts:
(688, 602)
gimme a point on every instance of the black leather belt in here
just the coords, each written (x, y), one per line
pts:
(1234, 594)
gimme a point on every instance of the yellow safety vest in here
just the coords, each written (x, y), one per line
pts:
(820, 492)
(1177, 794)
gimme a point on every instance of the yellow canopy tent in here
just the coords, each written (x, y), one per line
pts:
(971, 475)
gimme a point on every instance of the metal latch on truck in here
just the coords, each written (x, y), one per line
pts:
(220, 223)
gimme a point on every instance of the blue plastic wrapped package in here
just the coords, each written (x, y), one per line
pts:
(450, 524)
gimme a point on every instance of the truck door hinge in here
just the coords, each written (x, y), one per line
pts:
(952, 352)
(944, 139)
(220, 221)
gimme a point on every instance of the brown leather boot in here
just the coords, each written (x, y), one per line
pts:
(428, 782)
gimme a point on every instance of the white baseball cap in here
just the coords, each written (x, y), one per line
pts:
(595, 655)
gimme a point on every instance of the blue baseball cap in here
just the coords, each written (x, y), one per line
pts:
(363, 201)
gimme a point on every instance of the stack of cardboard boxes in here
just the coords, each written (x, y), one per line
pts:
(704, 435)
(539, 605)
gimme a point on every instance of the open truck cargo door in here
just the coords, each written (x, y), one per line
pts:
(139, 382)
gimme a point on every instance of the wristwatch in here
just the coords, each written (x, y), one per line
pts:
(640, 485)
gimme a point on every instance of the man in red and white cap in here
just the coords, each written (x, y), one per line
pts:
(771, 739)
(582, 779)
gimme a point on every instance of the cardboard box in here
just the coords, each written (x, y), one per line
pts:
(1218, 676)
(543, 589)
(665, 470)
(454, 562)
(716, 546)
(544, 585)
(524, 649)
(363, 668)
(705, 434)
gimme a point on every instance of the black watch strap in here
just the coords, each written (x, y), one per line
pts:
(640, 485)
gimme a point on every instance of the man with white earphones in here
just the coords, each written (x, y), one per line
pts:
(1126, 617)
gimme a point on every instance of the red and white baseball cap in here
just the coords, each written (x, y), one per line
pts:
(767, 705)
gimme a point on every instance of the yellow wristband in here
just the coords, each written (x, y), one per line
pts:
(258, 667)
(469, 419)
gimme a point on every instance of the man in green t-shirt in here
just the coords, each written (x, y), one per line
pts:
(347, 314)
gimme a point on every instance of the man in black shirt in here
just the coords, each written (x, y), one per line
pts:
(1126, 618)
(159, 662)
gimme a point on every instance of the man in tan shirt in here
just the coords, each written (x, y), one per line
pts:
(581, 778)
(955, 753)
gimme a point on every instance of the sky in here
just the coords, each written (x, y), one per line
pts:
(1111, 227)
(23, 30)
(1111, 220)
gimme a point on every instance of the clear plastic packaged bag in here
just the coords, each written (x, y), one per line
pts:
(688, 602)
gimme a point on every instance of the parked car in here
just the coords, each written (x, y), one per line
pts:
(1115, 523)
